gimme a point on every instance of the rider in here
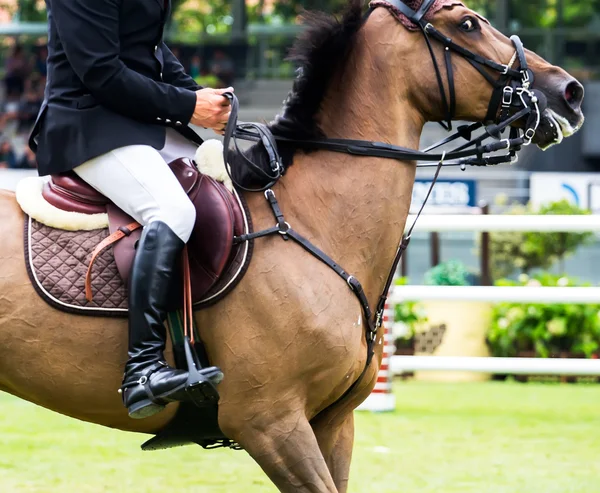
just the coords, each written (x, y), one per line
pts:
(116, 110)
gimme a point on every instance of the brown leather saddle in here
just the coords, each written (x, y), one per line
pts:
(219, 218)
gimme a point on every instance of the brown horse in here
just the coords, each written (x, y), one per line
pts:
(291, 337)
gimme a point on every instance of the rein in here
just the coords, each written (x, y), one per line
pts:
(512, 97)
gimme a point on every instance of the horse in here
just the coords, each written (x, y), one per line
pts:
(290, 338)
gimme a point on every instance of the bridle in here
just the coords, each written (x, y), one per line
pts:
(513, 99)
(512, 91)
(511, 81)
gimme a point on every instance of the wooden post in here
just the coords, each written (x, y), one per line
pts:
(502, 15)
(486, 276)
(434, 241)
(240, 20)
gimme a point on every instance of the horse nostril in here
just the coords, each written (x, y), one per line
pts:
(574, 94)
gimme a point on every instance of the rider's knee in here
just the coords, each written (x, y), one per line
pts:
(181, 218)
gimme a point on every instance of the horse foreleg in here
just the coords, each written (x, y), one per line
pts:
(286, 449)
(336, 439)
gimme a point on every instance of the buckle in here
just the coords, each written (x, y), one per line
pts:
(529, 134)
(526, 80)
(507, 96)
(349, 281)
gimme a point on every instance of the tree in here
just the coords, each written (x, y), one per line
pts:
(26, 10)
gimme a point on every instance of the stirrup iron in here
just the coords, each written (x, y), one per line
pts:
(201, 385)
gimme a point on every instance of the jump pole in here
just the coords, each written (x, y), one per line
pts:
(382, 399)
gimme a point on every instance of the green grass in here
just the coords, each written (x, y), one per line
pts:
(443, 438)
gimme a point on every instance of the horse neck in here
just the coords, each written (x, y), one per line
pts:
(355, 208)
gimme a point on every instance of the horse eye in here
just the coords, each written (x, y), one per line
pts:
(468, 25)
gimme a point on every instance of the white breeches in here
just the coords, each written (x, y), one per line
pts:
(137, 179)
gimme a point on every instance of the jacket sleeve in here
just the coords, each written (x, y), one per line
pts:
(89, 33)
(174, 73)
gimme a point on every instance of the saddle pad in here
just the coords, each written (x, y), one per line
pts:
(57, 261)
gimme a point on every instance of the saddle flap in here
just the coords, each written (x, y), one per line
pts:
(124, 249)
(211, 242)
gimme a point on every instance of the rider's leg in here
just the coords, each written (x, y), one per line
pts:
(177, 146)
(138, 180)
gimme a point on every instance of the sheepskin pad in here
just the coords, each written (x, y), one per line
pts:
(31, 200)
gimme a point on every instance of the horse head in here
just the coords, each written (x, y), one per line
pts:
(478, 68)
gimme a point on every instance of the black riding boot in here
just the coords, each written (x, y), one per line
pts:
(149, 383)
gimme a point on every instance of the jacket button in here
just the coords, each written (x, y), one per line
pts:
(178, 124)
(161, 76)
(156, 48)
(159, 119)
(167, 121)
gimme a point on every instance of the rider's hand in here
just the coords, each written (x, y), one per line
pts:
(212, 109)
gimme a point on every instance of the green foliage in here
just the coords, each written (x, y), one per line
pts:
(546, 330)
(26, 10)
(545, 13)
(207, 80)
(451, 273)
(526, 251)
(412, 315)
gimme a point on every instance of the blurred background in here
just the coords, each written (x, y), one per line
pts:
(244, 43)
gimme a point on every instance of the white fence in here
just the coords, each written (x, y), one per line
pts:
(490, 223)
(496, 294)
(512, 366)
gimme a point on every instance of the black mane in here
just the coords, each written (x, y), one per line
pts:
(319, 51)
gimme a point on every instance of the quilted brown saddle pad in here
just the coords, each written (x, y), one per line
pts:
(57, 260)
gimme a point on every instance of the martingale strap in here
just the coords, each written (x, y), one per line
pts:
(511, 94)
(373, 323)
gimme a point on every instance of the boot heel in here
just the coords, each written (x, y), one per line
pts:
(144, 409)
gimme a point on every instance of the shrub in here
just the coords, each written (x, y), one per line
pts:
(525, 251)
(410, 317)
(451, 273)
(545, 329)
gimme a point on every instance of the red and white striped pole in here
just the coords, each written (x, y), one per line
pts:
(382, 398)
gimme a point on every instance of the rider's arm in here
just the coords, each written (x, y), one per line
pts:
(89, 33)
(174, 73)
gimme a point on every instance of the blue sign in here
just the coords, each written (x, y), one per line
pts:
(446, 193)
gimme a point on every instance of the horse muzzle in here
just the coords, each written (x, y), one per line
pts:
(563, 116)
